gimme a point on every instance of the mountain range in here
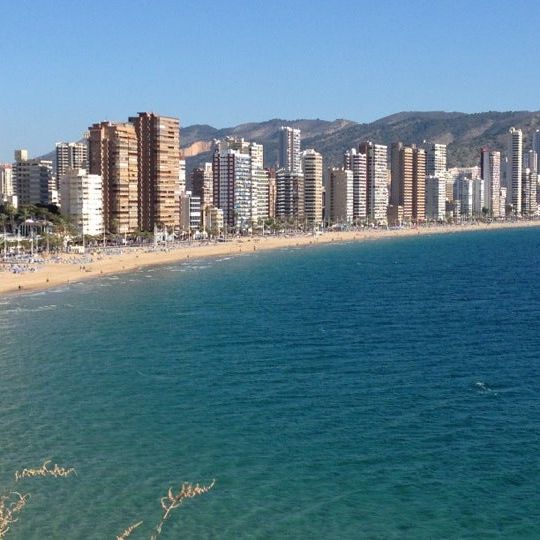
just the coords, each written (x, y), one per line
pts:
(464, 134)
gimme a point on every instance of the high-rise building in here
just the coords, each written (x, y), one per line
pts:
(81, 196)
(71, 155)
(419, 185)
(377, 180)
(490, 171)
(112, 154)
(158, 170)
(259, 194)
(435, 198)
(289, 149)
(408, 183)
(182, 183)
(256, 184)
(202, 183)
(340, 191)
(6, 181)
(529, 187)
(232, 186)
(502, 201)
(436, 160)
(463, 192)
(272, 192)
(536, 148)
(515, 169)
(357, 163)
(33, 180)
(290, 202)
(478, 196)
(312, 165)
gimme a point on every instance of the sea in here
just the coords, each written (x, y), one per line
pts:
(384, 389)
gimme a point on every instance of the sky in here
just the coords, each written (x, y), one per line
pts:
(66, 64)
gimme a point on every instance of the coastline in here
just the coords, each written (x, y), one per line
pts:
(63, 273)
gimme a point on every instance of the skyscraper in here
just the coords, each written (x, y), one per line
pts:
(202, 183)
(436, 160)
(232, 186)
(312, 165)
(356, 162)
(112, 154)
(435, 198)
(289, 149)
(272, 192)
(290, 196)
(256, 183)
(340, 196)
(70, 155)
(408, 184)
(529, 186)
(515, 169)
(490, 171)
(158, 170)
(377, 180)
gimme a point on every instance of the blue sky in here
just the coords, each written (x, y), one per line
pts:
(68, 63)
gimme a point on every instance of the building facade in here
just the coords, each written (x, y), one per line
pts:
(340, 196)
(435, 198)
(158, 153)
(436, 160)
(490, 171)
(514, 171)
(112, 154)
(71, 155)
(82, 200)
(312, 166)
(377, 181)
(289, 149)
(202, 184)
(357, 163)
(290, 201)
(33, 180)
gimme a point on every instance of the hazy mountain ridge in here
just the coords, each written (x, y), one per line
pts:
(464, 133)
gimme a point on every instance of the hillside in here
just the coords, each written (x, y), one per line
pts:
(463, 133)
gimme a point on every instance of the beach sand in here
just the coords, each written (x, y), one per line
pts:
(55, 274)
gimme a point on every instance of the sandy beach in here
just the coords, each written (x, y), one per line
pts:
(51, 274)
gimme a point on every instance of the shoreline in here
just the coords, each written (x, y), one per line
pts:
(63, 273)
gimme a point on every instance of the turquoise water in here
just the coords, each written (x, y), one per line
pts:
(379, 390)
